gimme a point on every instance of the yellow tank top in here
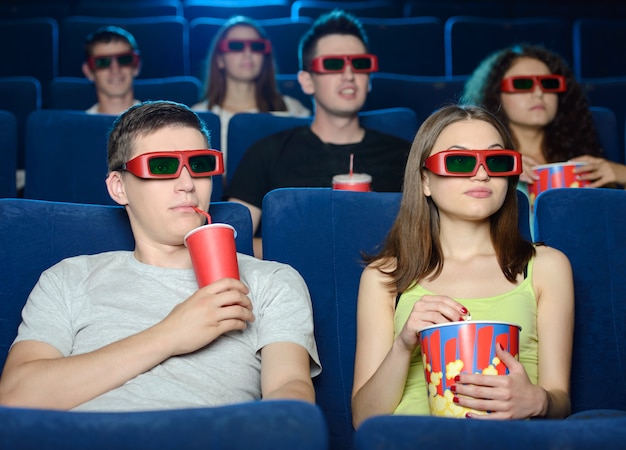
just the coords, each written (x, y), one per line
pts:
(518, 306)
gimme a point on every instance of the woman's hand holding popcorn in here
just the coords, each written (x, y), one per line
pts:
(511, 396)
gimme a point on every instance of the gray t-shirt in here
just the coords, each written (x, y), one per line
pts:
(84, 303)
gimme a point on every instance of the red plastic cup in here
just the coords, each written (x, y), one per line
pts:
(213, 252)
(462, 347)
(555, 175)
(361, 182)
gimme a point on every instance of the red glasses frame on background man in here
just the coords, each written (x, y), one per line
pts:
(239, 45)
(465, 163)
(128, 59)
(167, 165)
(362, 63)
(527, 83)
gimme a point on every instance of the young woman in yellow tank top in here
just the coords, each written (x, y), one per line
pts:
(455, 249)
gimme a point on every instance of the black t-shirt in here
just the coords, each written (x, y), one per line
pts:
(298, 158)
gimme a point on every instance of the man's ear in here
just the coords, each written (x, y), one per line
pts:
(306, 82)
(87, 71)
(116, 187)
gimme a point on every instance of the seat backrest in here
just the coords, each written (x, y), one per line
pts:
(405, 432)
(153, 8)
(245, 129)
(80, 94)
(285, 35)
(593, 57)
(66, 156)
(8, 144)
(35, 235)
(422, 94)
(163, 42)
(609, 93)
(224, 9)
(468, 40)
(606, 124)
(588, 226)
(322, 234)
(30, 48)
(370, 8)
(21, 96)
(409, 45)
(259, 425)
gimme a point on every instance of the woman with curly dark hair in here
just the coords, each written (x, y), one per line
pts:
(533, 91)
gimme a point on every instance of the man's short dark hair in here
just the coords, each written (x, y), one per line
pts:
(104, 35)
(334, 22)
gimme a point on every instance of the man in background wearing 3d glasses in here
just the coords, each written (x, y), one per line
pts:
(335, 70)
(112, 62)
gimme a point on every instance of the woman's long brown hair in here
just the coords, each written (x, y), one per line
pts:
(412, 250)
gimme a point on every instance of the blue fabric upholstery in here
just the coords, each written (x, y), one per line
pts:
(609, 93)
(223, 9)
(8, 147)
(606, 123)
(415, 432)
(245, 129)
(152, 8)
(470, 39)
(66, 156)
(588, 226)
(163, 42)
(595, 42)
(321, 233)
(369, 8)
(30, 48)
(285, 34)
(399, 45)
(263, 425)
(35, 235)
(422, 94)
(21, 96)
(79, 93)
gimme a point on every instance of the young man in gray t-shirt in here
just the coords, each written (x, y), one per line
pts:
(131, 330)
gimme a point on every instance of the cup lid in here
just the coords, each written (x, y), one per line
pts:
(213, 225)
(354, 178)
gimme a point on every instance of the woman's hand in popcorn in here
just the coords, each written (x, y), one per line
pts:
(430, 310)
(511, 396)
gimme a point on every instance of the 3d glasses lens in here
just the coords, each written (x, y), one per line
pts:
(163, 165)
(523, 84)
(333, 64)
(361, 63)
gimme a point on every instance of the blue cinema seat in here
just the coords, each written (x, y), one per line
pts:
(262, 425)
(596, 42)
(468, 40)
(588, 226)
(8, 147)
(163, 42)
(407, 45)
(20, 95)
(322, 234)
(79, 92)
(30, 47)
(245, 129)
(413, 432)
(35, 235)
(66, 156)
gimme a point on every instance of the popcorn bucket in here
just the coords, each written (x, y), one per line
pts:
(462, 347)
(556, 175)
